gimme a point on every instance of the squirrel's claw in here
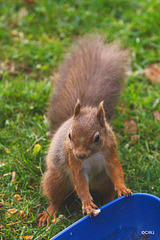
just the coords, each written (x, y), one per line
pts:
(89, 208)
(43, 218)
(123, 191)
(47, 216)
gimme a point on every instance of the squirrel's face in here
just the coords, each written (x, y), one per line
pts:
(86, 135)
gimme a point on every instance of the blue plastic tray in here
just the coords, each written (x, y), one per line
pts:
(132, 218)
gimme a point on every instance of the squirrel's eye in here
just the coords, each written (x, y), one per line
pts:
(96, 137)
(69, 135)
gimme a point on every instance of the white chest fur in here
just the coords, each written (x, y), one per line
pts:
(94, 165)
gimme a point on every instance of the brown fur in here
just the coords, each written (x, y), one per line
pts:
(104, 186)
(82, 154)
(81, 185)
(93, 72)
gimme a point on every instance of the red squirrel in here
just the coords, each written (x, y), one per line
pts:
(82, 153)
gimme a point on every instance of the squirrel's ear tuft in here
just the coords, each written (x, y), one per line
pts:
(77, 108)
(101, 114)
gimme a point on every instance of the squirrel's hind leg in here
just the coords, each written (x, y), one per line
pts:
(104, 187)
(56, 187)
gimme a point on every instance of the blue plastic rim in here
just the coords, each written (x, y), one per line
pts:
(131, 218)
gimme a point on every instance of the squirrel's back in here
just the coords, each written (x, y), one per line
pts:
(93, 71)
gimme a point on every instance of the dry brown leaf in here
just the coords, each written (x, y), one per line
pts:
(11, 211)
(23, 12)
(48, 134)
(17, 197)
(13, 223)
(21, 213)
(56, 220)
(8, 66)
(156, 115)
(13, 176)
(14, 32)
(130, 126)
(28, 237)
(153, 73)
(7, 150)
(6, 174)
(134, 139)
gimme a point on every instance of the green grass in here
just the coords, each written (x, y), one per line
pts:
(33, 38)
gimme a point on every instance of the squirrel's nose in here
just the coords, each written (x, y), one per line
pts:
(81, 155)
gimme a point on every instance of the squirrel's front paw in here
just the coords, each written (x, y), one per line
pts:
(89, 208)
(123, 191)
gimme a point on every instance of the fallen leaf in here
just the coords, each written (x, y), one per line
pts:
(153, 73)
(28, 237)
(6, 174)
(14, 32)
(48, 134)
(21, 213)
(56, 220)
(8, 66)
(36, 148)
(11, 211)
(21, 34)
(7, 150)
(130, 126)
(23, 12)
(134, 139)
(156, 115)
(13, 176)
(17, 197)
(13, 223)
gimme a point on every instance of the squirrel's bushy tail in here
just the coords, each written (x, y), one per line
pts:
(93, 71)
